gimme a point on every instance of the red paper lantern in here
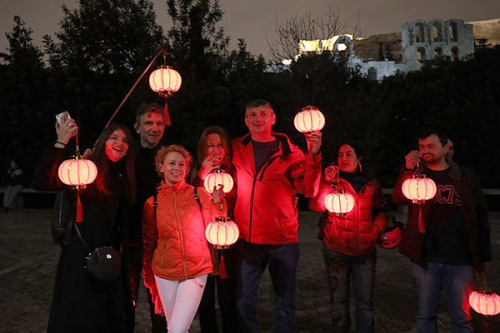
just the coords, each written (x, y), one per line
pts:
(222, 233)
(419, 188)
(309, 119)
(339, 202)
(485, 303)
(165, 81)
(219, 178)
(77, 172)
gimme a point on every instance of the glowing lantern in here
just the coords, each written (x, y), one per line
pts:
(309, 119)
(339, 202)
(418, 189)
(165, 81)
(222, 233)
(485, 303)
(77, 172)
(219, 178)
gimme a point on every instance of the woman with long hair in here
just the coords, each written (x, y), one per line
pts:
(349, 239)
(81, 302)
(214, 152)
(177, 259)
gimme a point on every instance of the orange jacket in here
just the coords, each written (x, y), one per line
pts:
(175, 247)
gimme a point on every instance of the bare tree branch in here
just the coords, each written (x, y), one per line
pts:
(293, 29)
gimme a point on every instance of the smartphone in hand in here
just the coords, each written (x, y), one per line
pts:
(62, 117)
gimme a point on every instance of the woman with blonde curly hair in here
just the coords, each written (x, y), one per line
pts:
(177, 259)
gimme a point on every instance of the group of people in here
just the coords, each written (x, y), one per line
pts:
(143, 205)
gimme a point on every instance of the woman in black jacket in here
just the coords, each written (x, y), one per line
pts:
(80, 302)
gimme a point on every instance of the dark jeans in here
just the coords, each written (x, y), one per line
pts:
(282, 261)
(456, 281)
(226, 289)
(340, 268)
(158, 322)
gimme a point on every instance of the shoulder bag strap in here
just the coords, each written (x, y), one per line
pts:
(81, 238)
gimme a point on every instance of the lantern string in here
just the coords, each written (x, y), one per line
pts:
(164, 51)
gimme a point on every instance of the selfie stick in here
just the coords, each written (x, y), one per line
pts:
(132, 89)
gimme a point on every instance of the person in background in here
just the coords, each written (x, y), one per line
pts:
(80, 302)
(14, 181)
(177, 259)
(269, 172)
(447, 238)
(214, 152)
(349, 239)
(451, 150)
(150, 126)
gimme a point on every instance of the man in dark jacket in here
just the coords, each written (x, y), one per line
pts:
(447, 237)
(150, 126)
(269, 170)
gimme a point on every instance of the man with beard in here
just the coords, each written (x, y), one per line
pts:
(447, 238)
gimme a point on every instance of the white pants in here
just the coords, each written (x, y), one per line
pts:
(180, 300)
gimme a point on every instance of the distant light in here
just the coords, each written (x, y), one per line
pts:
(287, 62)
(341, 47)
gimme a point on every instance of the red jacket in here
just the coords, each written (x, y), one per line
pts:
(266, 204)
(355, 233)
(175, 246)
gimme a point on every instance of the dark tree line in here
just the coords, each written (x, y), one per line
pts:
(103, 46)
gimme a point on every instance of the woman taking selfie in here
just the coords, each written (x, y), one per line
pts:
(349, 239)
(81, 302)
(177, 259)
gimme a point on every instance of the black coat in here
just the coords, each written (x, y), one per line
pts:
(80, 303)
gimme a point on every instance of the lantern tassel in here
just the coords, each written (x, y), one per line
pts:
(79, 213)
(421, 227)
(222, 267)
(215, 259)
(166, 116)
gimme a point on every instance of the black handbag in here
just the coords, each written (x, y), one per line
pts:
(104, 263)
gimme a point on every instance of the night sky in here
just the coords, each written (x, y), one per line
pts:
(254, 20)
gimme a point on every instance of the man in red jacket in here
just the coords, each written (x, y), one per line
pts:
(269, 171)
(451, 237)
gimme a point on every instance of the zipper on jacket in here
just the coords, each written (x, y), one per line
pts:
(264, 167)
(182, 238)
(163, 254)
(251, 210)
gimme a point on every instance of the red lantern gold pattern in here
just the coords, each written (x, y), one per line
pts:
(339, 202)
(309, 119)
(485, 303)
(222, 233)
(219, 178)
(77, 172)
(418, 189)
(165, 81)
